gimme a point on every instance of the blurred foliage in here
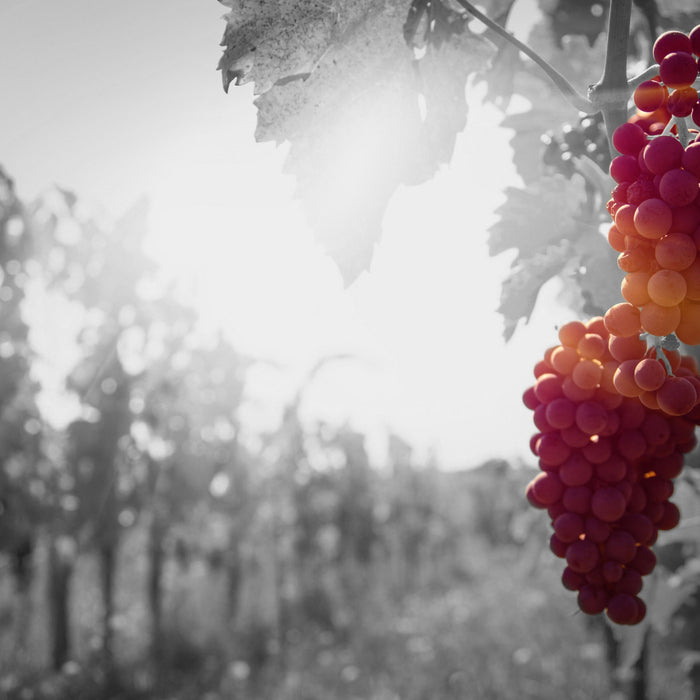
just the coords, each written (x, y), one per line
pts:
(185, 560)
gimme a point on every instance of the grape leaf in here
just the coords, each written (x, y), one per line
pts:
(543, 213)
(520, 289)
(528, 128)
(597, 277)
(355, 123)
(554, 226)
(271, 41)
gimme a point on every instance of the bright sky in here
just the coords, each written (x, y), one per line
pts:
(118, 99)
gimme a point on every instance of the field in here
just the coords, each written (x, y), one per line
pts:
(475, 611)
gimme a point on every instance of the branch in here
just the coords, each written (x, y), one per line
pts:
(564, 86)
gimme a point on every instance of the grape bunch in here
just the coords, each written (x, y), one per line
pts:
(607, 462)
(655, 204)
(587, 138)
(616, 404)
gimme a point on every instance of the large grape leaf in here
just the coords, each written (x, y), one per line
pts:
(543, 213)
(368, 115)
(553, 224)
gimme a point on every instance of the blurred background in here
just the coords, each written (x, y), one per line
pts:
(223, 472)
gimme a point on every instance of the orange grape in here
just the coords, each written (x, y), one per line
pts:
(616, 239)
(623, 319)
(564, 359)
(667, 287)
(570, 333)
(692, 280)
(688, 330)
(627, 348)
(659, 320)
(652, 218)
(675, 251)
(592, 346)
(634, 288)
(587, 374)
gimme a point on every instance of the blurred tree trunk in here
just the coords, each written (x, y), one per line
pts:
(61, 563)
(638, 682)
(234, 572)
(108, 561)
(23, 576)
(156, 561)
(630, 683)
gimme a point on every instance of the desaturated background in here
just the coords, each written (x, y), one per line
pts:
(118, 100)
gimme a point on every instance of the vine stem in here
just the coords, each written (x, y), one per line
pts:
(566, 88)
(611, 93)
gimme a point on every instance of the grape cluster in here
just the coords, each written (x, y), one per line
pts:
(587, 137)
(616, 404)
(672, 90)
(667, 382)
(607, 463)
(655, 205)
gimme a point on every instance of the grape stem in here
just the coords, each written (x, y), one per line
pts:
(683, 133)
(661, 355)
(646, 74)
(611, 93)
(564, 86)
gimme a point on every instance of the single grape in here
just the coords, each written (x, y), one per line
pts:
(630, 583)
(612, 470)
(622, 609)
(653, 218)
(639, 527)
(577, 499)
(667, 288)
(561, 413)
(582, 556)
(678, 187)
(576, 471)
(592, 599)
(678, 69)
(644, 560)
(649, 95)
(681, 101)
(660, 320)
(568, 526)
(620, 546)
(663, 154)
(628, 348)
(669, 42)
(591, 417)
(572, 580)
(607, 504)
(677, 396)
(629, 138)
(675, 251)
(649, 374)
